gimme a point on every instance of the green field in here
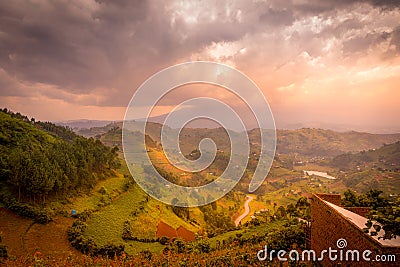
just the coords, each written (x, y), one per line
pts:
(106, 225)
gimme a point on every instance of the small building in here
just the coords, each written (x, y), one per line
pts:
(185, 234)
(164, 229)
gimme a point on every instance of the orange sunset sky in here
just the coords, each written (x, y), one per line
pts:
(320, 63)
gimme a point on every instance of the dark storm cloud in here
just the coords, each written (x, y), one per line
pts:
(362, 43)
(385, 3)
(105, 44)
(45, 43)
(396, 39)
(127, 11)
(320, 6)
(71, 46)
(276, 17)
(80, 46)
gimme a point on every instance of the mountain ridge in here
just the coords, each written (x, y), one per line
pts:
(337, 127)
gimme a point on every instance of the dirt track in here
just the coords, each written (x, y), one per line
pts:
(22, 237)
(246, 210)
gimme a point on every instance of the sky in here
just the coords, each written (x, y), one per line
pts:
(317, 62)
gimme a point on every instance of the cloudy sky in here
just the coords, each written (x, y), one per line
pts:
(317, 61)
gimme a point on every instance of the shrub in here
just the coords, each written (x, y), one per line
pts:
(146, 254)
(3, 251)
(83, 216)
(128, 182)
(203, 247)
(102, 190)
(126, 232)
(178, 245)
(39, 215)
(111, 250)
(164, 240)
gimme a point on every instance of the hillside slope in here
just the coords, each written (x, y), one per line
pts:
(39, 159)
(387, 157)
(305, 142)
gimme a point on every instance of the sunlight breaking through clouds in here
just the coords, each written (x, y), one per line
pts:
(96, 53)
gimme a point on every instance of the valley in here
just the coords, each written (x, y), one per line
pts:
(114, 213)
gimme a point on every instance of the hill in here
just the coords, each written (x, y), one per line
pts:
(327, 143)
(83, 124)
(97, 130)
(51, 163)
(40, 160)
(305, 143)
(386, 157)
(303, 149)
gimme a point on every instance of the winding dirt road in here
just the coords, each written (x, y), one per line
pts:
(246, 210)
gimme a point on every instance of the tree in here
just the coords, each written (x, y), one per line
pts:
(350, 199)
(280, 212)
(384, 211)
(389, 216)
(372, 199)
(40, 159)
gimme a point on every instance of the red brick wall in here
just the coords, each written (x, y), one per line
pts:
(327, 226)
(362, 211)
(332, 198)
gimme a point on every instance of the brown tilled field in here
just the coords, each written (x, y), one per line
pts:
(22, 236)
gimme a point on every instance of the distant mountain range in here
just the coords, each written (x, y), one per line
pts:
(80, 124)
(338, 127)
(203, 123)
(305, 142)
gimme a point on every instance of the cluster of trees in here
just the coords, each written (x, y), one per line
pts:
(217, 221)
(372, 198)
(37, 162)
(181, 212)
(384, 210)
(292, 212)
(38, 214)
(17, 115)
(64, 133)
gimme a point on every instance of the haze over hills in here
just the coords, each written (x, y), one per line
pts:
(204, 123)
(318, 142)
(386, 157)
(83, 123)
(114, 215)
(341, 127)
(305, 142)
